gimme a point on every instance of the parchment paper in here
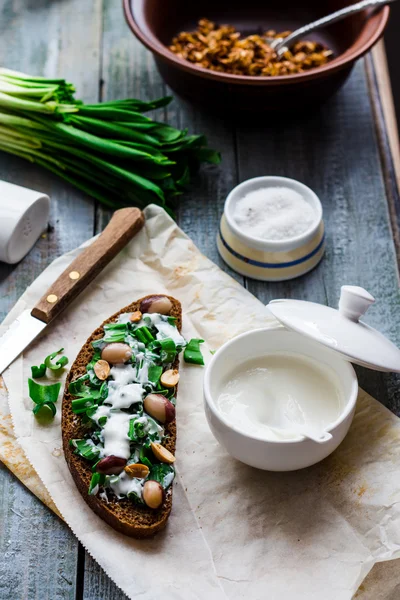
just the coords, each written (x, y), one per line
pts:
(235, 532)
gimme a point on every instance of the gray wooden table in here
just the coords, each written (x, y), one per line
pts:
(342, 152)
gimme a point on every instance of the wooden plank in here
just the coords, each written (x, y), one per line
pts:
(126, 72)
(200, 208)
(335, 153)
(38, 553)
(384, 87)
(387, 134)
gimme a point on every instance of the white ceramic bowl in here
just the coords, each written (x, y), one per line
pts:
(276, 455)
(270, 260)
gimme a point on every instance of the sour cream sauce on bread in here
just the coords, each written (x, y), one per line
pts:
(124, 432)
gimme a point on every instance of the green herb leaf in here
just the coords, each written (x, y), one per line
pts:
(144, 335)
(154, 374)
(85, 449)
(109, 150)
(137, 430)
(192, 353)
(143, 458)
(78, 386)
(96, 356)
(38, 372)
(41, 394)
(96, 481)
(114, 335)
(133, 496)
(168, 350)
(162, 473)
(81, 405)
(59, 364)
(44, 409)
(115, 327)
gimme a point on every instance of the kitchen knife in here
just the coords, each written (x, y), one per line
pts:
(124, 224)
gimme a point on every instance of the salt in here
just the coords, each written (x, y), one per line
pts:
(274, 213)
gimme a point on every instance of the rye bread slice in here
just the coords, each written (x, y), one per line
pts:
(122, 515)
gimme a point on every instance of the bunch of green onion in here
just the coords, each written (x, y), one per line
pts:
(111, 151)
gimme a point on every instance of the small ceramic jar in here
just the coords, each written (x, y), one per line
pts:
(270, 260)
(24, 215)
(313, 332)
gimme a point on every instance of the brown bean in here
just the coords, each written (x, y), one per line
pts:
(137, 470)
(159, 407)
(136, 316)
(116, 353)
(170, 378)
(111, 465)
(153, 494)
(162, 454)
(156, 304)
(102, 369)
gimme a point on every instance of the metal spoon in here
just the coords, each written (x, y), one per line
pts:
(280, 45)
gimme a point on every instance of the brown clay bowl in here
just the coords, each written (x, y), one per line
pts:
(156, 22)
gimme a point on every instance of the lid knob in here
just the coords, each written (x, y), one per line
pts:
(354, 301)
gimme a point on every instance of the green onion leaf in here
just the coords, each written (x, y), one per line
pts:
(59, 364)
(113, 326)
(143, 458)
(78, 386)
(192, 353)
(44, 408)
(137, 430)
(168, 350)
(109, 150)
(85, 449)
(144, 335)
(114, 336)
(38, 372)
(81, 405)
(95, 358)
(154, 374)
(96, 481)
(162, 473)
(41, 394)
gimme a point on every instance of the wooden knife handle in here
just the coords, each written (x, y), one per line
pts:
(124, 224)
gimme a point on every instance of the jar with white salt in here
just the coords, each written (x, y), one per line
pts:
(272, 229)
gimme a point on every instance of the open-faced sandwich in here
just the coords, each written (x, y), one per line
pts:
(118, 415)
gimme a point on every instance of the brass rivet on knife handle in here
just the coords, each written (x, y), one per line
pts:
(124, 224)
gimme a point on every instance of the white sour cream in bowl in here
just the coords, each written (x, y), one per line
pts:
(277, 395)
(267, 387)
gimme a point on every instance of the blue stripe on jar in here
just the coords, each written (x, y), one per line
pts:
(257, 263)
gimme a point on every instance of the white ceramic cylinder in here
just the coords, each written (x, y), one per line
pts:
(24, 215)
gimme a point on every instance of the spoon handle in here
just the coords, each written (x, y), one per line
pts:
(328, 20)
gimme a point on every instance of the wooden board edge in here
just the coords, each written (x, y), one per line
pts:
(381, 96)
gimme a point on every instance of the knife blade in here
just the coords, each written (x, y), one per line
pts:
(124, 224)
(20, 334)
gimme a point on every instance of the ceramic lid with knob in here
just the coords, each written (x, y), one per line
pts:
(341, 330)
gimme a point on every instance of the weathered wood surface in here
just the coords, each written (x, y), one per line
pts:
(38, 553)
(336, 152)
